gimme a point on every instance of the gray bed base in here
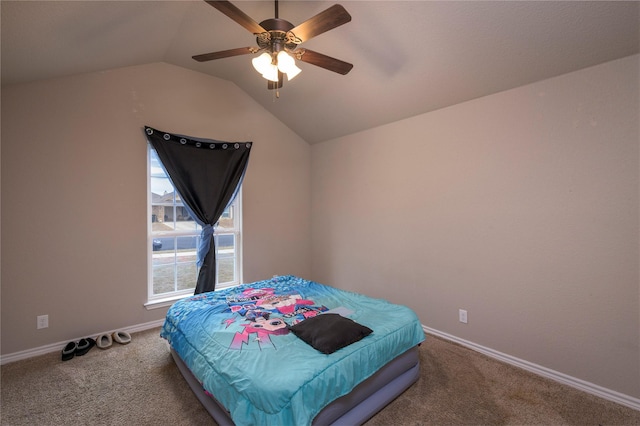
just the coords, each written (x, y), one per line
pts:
(355, 408)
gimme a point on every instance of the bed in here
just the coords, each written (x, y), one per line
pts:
(288, 351)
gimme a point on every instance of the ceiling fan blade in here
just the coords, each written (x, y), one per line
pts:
(224, 54)
(323, 61)
(331, 18)
(237, 15)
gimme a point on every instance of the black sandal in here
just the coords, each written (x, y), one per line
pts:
(69, 351)
(84, 345)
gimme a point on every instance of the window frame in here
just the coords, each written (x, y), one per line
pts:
(168, 298)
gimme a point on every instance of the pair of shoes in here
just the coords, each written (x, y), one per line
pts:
(80, 348)
(106, 340)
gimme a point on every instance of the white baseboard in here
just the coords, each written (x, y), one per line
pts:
(55, 347)
(582, 385)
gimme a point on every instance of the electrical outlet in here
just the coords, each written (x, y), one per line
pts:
(43, 321)
(462, 316)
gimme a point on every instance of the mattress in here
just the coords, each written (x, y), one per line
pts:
(238, 346)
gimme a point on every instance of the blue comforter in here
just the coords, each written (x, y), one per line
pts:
(237, 344)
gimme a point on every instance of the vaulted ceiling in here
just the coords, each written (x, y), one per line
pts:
(409, 57)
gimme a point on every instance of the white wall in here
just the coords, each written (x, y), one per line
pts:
(74, 194)
(520, 207)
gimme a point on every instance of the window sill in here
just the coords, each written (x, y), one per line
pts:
(168, 301)
(164, 302)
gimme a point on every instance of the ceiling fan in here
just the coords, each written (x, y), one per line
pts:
(279, 40)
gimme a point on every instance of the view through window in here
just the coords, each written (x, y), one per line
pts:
(174, 237)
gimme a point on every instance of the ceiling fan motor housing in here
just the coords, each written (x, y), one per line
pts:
(278, 35)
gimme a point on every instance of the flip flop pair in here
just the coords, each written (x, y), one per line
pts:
(105, 340)
(79, 348)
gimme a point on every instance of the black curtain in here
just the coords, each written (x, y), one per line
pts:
(207, 174)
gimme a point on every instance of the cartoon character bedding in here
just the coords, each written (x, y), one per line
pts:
(278, 351)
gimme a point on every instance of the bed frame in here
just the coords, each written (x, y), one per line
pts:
(355, 408)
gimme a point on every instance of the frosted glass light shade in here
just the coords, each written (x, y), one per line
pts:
(287, 65)
(262, 63)
(271, 73)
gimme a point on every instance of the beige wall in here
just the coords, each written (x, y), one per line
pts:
(74, 194)
(521, 208)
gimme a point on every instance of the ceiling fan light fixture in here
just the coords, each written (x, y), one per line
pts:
(271, 73)
(262, 63)
(287, 65)
(293, 71)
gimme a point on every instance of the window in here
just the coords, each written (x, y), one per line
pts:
(174, 238)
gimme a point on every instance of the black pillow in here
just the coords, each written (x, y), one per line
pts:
(329, 332)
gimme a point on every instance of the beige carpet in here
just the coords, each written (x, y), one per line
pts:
(138, 384)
